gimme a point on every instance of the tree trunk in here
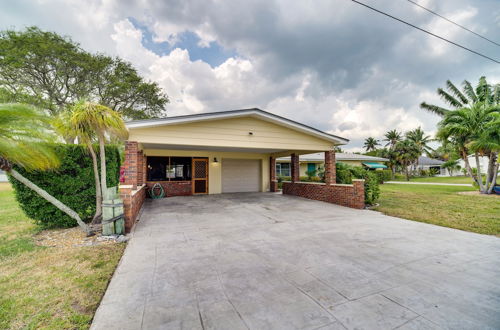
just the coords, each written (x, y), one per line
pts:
(468, 168)
(479, 175)
(407, 173)
(98, 194)
(489, 170)
(495, 173)
(50, 199)
(102, 156)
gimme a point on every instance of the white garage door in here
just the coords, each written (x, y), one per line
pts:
(240, 175)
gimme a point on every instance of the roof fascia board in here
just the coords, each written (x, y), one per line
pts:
(254, 113)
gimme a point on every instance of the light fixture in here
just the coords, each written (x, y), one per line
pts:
(215, 160)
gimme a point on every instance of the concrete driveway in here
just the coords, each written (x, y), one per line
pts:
(268, 261)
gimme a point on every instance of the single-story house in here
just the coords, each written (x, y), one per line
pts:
(225, 152)
(316, 161)
(426, 164)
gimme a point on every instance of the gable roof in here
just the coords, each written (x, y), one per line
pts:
(254, 112)
(422, 160)
(339, 156)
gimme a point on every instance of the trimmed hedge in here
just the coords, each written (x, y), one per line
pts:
(383, 175)
(72, 183)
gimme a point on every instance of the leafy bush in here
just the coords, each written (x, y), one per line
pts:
(72, 183)
(372, 189)
(423, 173)
(345, 174)
(383, 176)
(310, 179)
(433, 172)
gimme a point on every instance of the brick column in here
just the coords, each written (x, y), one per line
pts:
(358, 198)
(295, 167)
(144, 168)
(330, 167)
(272, 174)
(131, 164)
(140, 168)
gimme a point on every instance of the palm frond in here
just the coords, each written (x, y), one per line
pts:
(451, 87)
(434, 109)
(449, 98)
(469, 91)
(25, 137)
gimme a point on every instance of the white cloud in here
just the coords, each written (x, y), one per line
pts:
(348, 71)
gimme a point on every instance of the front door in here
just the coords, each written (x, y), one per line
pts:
(311, 167)
(200, 176)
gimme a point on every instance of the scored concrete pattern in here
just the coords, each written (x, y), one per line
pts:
(268, 261)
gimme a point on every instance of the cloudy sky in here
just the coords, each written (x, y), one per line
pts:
(334, 65)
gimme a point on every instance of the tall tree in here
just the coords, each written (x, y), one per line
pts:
(475, 129)
(104, 123)
(469, 95)
(24, 134)
(407, 152)
(420, 139)
(52, 72)
(392, 137)
(371, 144)
(479, 140)
(85, 135)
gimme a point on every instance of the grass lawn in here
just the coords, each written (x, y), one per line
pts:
(438, 179)
(443, 206)
(48, 287)
(441, 179)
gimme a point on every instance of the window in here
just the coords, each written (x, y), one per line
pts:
(283, 169)
(157, 168)
(169, 169)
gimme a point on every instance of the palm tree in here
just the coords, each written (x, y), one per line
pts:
(103, 122)
(392, 137)
(392, 156)
(24, 134)
(85, 135)
(467, 97)
(475, 128)
(406, 153)
(371, 144)
(420, 139)
(451, 165)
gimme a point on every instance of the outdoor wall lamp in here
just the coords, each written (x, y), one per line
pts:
(216, 160)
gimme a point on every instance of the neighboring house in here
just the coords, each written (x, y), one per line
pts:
(483, 163)
(426, 164)
(312, 162)
(3, 176)
(225, 152)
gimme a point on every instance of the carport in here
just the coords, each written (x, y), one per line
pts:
(224, 152)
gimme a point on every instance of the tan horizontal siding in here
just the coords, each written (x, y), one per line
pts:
(230, 133)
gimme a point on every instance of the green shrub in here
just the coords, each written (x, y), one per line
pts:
(423, 173)
(345, 174)
(72, 183)
(433, 172)
(372, 189)
(383, 176)
(310, 179)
